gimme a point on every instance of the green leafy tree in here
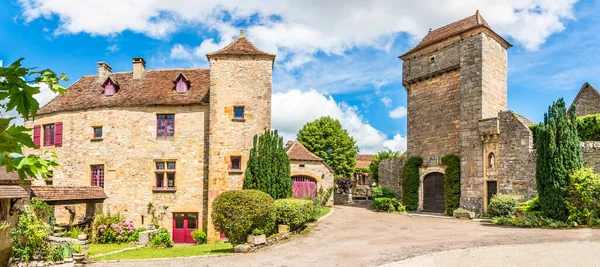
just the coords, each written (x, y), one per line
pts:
(410, 183)
(374, 166)
(326, 138)
(268, 167)
(558, 155)
(18, 85)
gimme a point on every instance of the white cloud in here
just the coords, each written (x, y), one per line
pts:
(112, 48)
(303, 28)
(180, 52)
(398, 113)
(398, 143)
(293, 109)
(386, 101)
(43, 98)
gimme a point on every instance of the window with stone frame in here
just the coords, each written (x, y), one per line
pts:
(235, 163)
(97, 175)
(238, 113)
(165, 125)
(97, 132)
(164, 173)
(49, 136)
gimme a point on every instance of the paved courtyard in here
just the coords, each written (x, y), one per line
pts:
(357, 236)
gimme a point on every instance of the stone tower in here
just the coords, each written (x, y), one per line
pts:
(240, 107)
(455, 77)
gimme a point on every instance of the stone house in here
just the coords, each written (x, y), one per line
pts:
(308, 171)
(175, 138)
(361, 176)
(587, 101)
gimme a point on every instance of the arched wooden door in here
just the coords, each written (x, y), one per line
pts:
(433, 193)
(304, 186)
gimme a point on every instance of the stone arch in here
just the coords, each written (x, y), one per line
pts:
(424, 172)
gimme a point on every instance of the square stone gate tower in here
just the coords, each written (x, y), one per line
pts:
(455, 77)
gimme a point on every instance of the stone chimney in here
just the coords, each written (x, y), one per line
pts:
(103, 70)
(139, 66)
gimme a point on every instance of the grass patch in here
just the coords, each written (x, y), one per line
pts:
(97, 249)
(322, 212)
(176, 251)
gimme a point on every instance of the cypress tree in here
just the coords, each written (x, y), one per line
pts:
(268, 167)
(558, 155)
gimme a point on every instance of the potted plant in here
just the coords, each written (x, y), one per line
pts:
(78, 255)
(283, 228)
(257, 237)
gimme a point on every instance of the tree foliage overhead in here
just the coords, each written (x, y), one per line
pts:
(558, 155)
(410, 183)
(268, 167)
(374, 166)
(18, 85)
(326, 138)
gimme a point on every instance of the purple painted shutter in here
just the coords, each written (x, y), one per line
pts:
(182, 86)
(36, 135)
(109, 89)
(58, 130)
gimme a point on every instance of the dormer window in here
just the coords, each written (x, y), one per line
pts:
(182, 84)
(110, 87)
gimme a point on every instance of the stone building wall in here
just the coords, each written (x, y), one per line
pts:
(128, 152)
(235, 81)
(591, 155)
(315, 169)
(390, 174)
(587, 101)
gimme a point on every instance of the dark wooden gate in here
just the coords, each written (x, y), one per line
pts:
(492, 190)
(433, 193)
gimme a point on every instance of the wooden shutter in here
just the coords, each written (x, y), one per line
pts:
(58, 133)
(36, 135)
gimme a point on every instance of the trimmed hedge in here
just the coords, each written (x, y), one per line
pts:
(293, 212)
(502, 206)
(451, 183)
(583, 199)
(410, 182)
(199, 236)
(236, 213)
(387, 204)
(383, 191)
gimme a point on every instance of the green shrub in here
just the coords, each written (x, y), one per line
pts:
(199, 236)
(532, 205)
(293, 212)
(236, 213)
(583, 199)
(75, 232)
(502, 206)
(531, 221)
(135, 236)
(451, 183)
(112, 229)
(322, 197)
(161, 239)
(388, 204)
(383, 191)
(29, 237)
(410, 182)
(588, 127)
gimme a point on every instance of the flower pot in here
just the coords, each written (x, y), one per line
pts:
(283, 228)
(82, 237)
(78, 258)
(257, 239)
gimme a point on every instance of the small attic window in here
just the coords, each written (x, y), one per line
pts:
(431, 59)
(182, 85)
(110, 88)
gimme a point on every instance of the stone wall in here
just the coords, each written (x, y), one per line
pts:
(587, 101)
(591, 155)
(322, 173)
(128, 152)
(235, 81)
(390, 174)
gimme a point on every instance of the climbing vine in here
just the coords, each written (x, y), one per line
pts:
(451, 183)
(410, 183)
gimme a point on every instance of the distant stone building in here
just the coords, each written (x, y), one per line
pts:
(308, 171)
(455, 79)
(587, 101)
(173, 137)
(361, 176)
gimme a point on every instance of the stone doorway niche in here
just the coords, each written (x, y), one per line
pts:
(431, 189)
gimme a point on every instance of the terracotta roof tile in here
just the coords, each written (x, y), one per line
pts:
(155, 87)
(297, 151)
(450, 30)
(241, 46)
(363, 161)
(12, 191)
(68, 193)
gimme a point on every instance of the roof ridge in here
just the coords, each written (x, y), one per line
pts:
(230, 48)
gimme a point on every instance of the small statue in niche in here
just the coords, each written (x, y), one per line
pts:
(492, 162)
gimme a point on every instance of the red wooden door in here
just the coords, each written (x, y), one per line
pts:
(303, 186)
(184, 223)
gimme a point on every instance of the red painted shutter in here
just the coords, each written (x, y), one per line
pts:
(36, 135)
(58, 130)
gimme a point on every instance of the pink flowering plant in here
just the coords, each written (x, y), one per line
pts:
(112, 229)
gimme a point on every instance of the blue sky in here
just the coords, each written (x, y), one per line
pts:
(337, 58)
